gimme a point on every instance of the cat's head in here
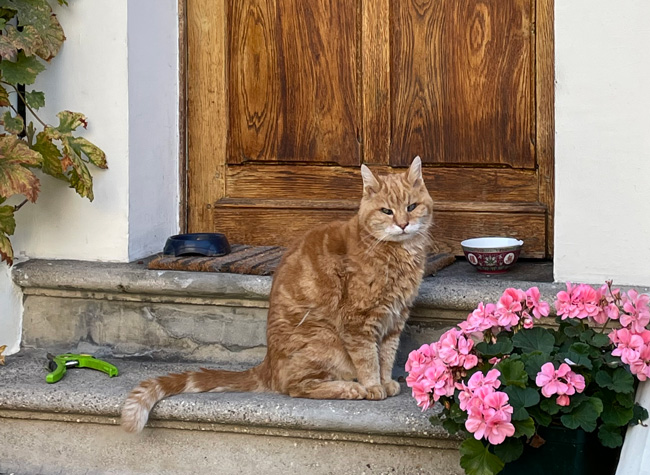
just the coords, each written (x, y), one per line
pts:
(396, 207)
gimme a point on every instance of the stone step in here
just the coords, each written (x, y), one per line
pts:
(128, 310)
(71, 427)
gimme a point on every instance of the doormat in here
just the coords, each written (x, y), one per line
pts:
(257, 260)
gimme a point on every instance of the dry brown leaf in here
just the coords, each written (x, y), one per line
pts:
(2, 357)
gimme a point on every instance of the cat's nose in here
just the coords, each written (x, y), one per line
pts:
(403, 225)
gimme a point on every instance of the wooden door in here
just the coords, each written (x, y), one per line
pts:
(287, 98)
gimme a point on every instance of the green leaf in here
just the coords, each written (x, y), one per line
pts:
(600, 340)
(23, 71)
(619, 380)
(534, 339)
(51, 156)
(451, 426)
(640, 414)
(572, 332)
(35, 99)
(584, 416)
(625, 399)
(579, 354)
(30, 12)
(610, 436)
(15, 178)
(7, 221)
(550, 406)
(13, 125)
(96, 156)
(542, 418)
(69, 122)
(512, 373)
(510, 450)
(519, 399)
(526, 427)
(476, 459)
(534, 362)
(502, 346)
(27, 40)
(4, 97)
(52, 38)
(6, 251)
(617, 415)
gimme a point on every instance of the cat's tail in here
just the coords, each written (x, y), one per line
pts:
(144, 397)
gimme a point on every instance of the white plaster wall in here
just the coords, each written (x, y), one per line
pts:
(153, 125)
(119, 66)
(89, 75)
(10, 311)
(602, 148)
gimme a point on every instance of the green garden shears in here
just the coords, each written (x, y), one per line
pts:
(60, 363)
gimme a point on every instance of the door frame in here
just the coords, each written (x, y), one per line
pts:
(203, 111)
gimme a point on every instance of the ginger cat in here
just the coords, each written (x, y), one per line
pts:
(339, 301)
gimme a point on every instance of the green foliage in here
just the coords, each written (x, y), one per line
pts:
(35, 36)
(476, 459)
(582, 386)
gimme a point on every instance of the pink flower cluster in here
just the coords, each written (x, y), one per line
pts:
(633, 340)
(563, 382)
(513, 308)
(488, 411)
(431, 367)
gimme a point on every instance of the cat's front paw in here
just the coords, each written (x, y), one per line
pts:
(376, 392)
(392, 388)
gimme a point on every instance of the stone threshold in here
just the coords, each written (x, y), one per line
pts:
(88, 396)
(456, 288)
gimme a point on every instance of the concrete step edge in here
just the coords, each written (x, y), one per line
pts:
(85, 395)
(456, 288)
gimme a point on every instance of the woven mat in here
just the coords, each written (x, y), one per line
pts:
(256, 260)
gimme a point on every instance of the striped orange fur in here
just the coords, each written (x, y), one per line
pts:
(339, 301)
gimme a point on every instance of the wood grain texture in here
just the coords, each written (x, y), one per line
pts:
(182, 115)
(461, 75)
(444, 184)
(545, 94)
(375, 77)
(293, 81)
(279, 226)
(206, 110)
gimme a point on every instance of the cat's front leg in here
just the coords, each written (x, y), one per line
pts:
(361, 344)
(387, 353)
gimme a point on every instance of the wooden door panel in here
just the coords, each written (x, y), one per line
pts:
(293, 81)
(282, 221)
(286, 98)
(450, 185)
(467, 98)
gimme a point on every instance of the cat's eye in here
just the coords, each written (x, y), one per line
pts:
(411, 207)
(387, 211)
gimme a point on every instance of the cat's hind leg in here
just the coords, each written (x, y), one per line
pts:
(321, 389)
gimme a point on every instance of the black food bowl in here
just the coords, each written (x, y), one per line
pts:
(201, 244)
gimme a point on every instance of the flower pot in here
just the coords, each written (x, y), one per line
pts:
(566, 452)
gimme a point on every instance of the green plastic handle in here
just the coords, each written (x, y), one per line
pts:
(72, 360)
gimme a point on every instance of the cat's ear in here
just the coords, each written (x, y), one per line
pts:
(415, 171)
(370, 183)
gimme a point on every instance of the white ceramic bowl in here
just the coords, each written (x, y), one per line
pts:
(491, 254)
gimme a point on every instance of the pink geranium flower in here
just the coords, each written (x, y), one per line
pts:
(454, 349)
(480, 320)
(580, 302)
(636, 314)
(508, 307)
(538, 307)
(563, 382)
(490, 417)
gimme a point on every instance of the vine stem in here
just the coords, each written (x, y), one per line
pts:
(25, 102)
(18, 206)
